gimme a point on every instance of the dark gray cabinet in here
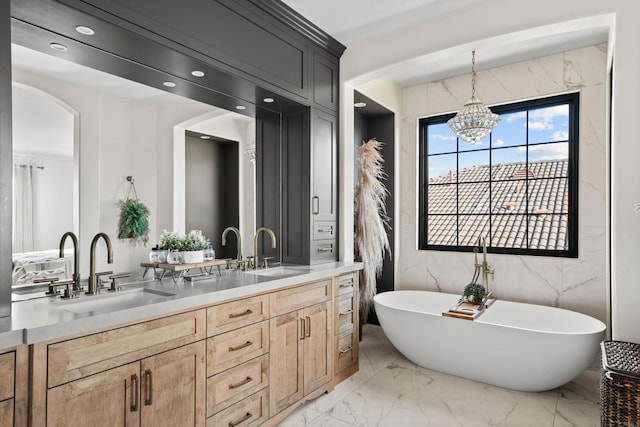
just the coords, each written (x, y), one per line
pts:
(310, 186)
(325, 81)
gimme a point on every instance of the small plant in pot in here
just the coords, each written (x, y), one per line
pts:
(134, 221)
(193, 245)
(474, 293)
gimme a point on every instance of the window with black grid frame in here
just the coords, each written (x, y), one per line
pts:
(518, 187)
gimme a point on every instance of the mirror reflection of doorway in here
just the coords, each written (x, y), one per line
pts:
(44, 144)
(212, 188)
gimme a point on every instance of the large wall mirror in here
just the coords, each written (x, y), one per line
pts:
(79, 132)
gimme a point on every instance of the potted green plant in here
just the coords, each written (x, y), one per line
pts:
(134, 221)
(192, 245)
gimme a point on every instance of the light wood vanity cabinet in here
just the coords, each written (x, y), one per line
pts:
(346, 326)
(238, 362)
(242, 363)
(149, 374)
(14, 372)
(300, 343)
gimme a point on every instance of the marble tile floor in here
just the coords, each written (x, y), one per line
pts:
(391, 391)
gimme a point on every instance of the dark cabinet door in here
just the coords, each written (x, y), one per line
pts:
(324, 156)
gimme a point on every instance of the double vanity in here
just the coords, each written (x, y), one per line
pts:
(236, 348)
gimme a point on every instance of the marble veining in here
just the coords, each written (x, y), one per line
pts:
(578, 284)
(391, 391)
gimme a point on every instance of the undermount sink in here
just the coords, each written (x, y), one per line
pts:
(283, 271)
(107, 301)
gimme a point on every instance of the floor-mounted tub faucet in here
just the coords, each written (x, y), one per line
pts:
(486, 268)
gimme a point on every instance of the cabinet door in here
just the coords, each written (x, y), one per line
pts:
(285, 371)
(6, 413)
(110, 396)
(317, 351)
(173, 387)
(324, 159)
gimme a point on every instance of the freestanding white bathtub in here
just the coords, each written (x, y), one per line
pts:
(518, 346)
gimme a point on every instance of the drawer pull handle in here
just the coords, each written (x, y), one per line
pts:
(134, 395)
(346, 283)
(247, 312)
(241, 346)
(308, 327)
(328, 230)
(241, 420)
(347, 349)
(148, 379)
(344, 313)
(303, 326)
(325, 249)
(241, 383)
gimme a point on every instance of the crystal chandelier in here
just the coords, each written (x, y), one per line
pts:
(475, 120)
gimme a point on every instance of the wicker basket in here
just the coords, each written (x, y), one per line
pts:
(620, 384)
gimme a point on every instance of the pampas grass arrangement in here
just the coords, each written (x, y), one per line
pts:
(371, 221)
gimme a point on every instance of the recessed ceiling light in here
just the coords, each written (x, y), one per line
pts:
(169, 84)
(59, 47)
(197, 73)
(360, 104)
(85, 30)
(240, 107)
(205, 137)
(268, 100)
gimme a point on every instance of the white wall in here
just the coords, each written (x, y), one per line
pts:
(469, 29)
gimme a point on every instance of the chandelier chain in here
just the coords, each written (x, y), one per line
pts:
(473, 74)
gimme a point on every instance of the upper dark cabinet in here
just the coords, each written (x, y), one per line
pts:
(325, 81)
(225, 31)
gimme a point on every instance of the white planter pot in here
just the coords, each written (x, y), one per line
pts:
(175, 257)
(193, 257)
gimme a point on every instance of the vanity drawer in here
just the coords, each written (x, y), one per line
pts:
(344, 315)
(233, 385)
(7, 375)
(79, 357)
(232, 348)
(324, 249)
(299, 297)
(252, 411)
(233, 315)
(323, 230)
(346, 351)
(346, 284)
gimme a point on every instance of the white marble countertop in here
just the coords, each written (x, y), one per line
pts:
(47, 318)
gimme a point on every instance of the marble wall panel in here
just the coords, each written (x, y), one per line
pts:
(578, 284)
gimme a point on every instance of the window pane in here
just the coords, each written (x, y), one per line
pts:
(549, 124)
(471, 227)
(548, 232)
(442, 168)
(549, 152)
(474, 166)
(473, 198)
(509, 231)
(513, 187)
(511, 130)
(465, 146)
(441, 199)
(548, 196)
(440, 139)
(508, 197)
(509, 163)
(442, 230)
